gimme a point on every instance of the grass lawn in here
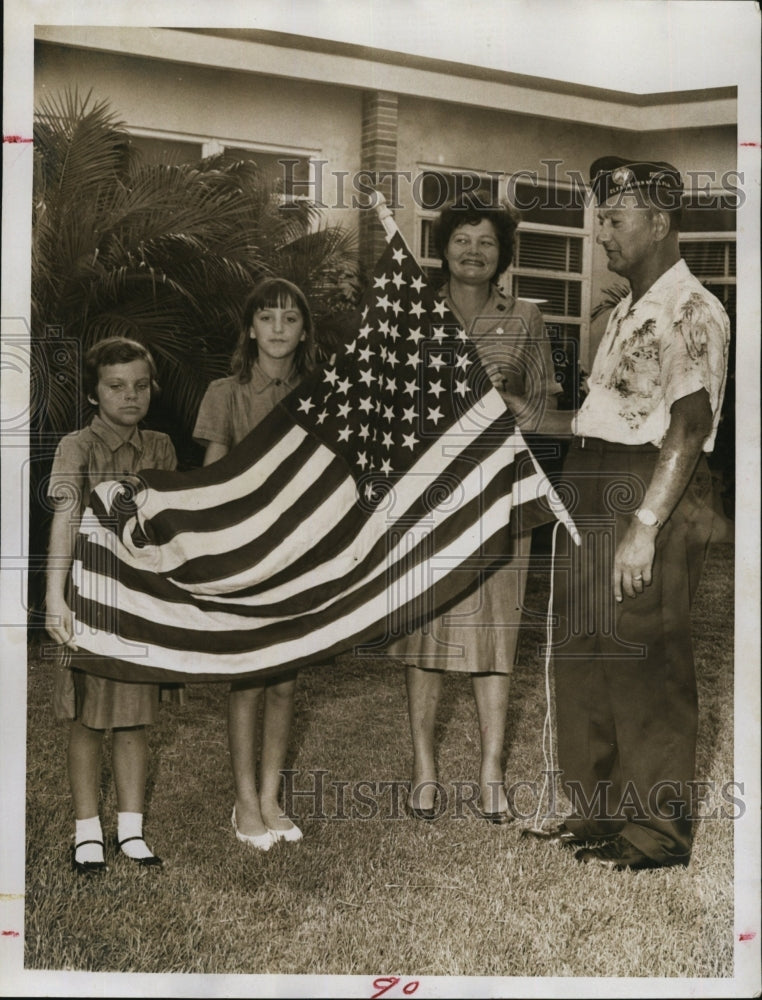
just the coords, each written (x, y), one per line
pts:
(370, 891)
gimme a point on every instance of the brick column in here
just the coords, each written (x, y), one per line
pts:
(379, 153)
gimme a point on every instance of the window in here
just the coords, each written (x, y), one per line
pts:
(160, 149)
(438, 188)
(289, 171)
(551, 265)
(708, 245)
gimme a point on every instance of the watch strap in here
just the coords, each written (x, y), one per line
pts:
(648, 518)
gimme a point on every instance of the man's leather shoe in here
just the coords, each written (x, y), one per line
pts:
(619, 855)
(499, 818)
(556, 835)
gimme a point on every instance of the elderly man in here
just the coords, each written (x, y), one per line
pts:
(640, 494)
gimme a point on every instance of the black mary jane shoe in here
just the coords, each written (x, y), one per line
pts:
(152, 861)
(87, 867)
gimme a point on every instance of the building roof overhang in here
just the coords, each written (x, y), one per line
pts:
(327, 61)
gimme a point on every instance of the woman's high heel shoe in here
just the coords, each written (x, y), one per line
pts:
(499, 818)
(261, 841)
(427, 813)
(292, 834)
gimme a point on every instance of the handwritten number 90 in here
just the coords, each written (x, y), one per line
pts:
(385, 983)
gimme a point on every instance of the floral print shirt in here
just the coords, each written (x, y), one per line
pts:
(670, 343)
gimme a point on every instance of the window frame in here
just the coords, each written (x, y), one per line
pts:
(583, 276)
(727, 236)
(502, 182)
(430, 214)
(213, 145)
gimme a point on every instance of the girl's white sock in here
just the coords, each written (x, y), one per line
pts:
(88, 829)
(131, 825)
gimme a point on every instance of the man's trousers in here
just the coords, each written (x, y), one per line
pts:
(626, 703)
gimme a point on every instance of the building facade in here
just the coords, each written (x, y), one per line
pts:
(335, 121)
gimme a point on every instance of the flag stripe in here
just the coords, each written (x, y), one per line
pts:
(303, 638)
(369, 548)
(249, 556)
(376, 494)
(254, 549)
(389, 565)
(247, 493)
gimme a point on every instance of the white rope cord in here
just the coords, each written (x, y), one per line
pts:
(548, 752)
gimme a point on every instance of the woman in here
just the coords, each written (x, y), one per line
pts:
(479, 635)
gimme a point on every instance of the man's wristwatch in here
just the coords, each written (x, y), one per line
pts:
(647, 517)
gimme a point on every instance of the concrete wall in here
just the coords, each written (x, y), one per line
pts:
(325, 122)
(456, 136)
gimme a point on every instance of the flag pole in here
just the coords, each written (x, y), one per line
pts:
(385, 216)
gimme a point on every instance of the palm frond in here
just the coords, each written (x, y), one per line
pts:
(612, 297)
(161, 253)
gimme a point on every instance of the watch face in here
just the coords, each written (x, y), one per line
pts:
(647, 517)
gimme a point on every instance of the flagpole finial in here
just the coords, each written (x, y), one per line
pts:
(385, 215)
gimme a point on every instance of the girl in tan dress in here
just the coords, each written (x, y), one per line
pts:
(274, 351)
(120, 376)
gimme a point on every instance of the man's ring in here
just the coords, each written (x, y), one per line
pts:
(638, 577)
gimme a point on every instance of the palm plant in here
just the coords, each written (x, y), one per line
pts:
(612, 296)
(163, 254)
(159, 253)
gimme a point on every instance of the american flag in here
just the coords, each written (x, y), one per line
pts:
(369, 500)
